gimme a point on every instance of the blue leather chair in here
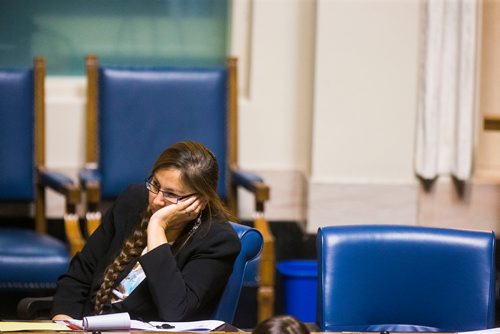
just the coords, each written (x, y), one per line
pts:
(405, 279)
(30, 260)
(134, 113)
(251, 245)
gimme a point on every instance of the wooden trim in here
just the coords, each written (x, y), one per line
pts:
(40, 220)
(265, 299)
(91, 109)
(233, 110)
(93, 192)
(267, 265)
(267, 254)
(73, 233)
(232, 130)
(265, 293)
(491, 122)
(486, 148)
(93, 221)
(39, 145)
(262, 191)
(73, 198)
(39, 77)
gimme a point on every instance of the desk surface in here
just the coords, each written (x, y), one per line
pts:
(106, 332)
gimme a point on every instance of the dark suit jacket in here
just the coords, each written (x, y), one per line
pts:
(182, 287)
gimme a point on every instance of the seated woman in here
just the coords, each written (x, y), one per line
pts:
(164, 250)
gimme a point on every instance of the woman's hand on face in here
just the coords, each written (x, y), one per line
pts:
(175, 216)
(167, 222)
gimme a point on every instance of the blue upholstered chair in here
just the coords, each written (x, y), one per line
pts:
(30, 259)
(251, 245)
(134, 113)
(405, 279)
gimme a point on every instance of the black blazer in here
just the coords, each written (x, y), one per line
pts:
(184, 287)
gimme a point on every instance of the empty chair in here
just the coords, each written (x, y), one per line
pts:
(30, 259)
(405, 279)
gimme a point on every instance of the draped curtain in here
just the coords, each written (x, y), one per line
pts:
(446, 106)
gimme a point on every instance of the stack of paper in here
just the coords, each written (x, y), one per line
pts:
(22, 326)
(122, 321)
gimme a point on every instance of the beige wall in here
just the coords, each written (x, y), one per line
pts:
(364, 117)
(327, 116)
(336, 82)
(276, 111)
(365, 91)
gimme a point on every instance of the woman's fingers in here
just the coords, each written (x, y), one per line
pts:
(175, 216)
(192, 208)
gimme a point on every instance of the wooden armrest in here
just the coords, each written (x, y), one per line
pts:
(91, 184)
(62, 185)
(253, 183)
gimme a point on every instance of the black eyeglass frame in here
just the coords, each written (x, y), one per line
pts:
(155, 190)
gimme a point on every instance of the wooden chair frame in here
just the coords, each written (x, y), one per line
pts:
(45, 178)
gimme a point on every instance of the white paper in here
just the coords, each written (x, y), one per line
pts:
(107, 321)
(189, 326)
(122, 321)
(483, 331)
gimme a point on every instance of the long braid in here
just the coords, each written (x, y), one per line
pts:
(132, 248)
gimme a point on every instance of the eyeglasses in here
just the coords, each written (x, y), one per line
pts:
(167, 195)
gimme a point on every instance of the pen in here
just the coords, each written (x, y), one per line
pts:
(161, 326)
(72, 326)
(164, 326)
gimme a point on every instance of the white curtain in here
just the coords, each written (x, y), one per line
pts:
(445, 123)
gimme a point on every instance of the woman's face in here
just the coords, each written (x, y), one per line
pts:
(170, 184)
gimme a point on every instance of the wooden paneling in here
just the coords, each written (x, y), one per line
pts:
(487, 166)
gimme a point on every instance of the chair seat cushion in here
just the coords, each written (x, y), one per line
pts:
(29, 260)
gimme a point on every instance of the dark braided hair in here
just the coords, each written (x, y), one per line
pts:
(198, 170)
(132, 248)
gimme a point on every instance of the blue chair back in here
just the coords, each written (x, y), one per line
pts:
(16, 134)
(142, 111)
(405, 279)
(251, 245)
(29, 260)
